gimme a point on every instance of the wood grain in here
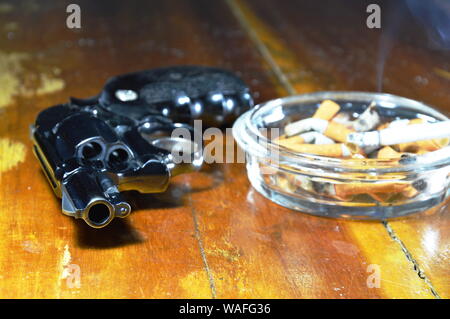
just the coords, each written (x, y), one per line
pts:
(426, 238)
(210, 234)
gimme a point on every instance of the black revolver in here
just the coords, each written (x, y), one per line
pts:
(93, 149)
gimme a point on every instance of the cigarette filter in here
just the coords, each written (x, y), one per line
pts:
(291, 141)
(410, 192)
(423, 146)
(337, 132)
(327, 110)
(388, 152)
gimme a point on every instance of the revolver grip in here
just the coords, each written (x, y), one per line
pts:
(182, 93)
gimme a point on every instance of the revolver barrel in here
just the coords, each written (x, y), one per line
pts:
(92, 197)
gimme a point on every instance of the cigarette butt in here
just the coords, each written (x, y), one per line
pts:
(323, 187)
(356, 151)
(423, 146)
(344, 190)
(291, 141)
(316, 138)
(268, 170)
(303, 182)
(344, 119)
(327, 110)
(368, 120)
(333, 130)
(308, 138)
(380, 197)
(416, 121)
(285, 184)
(330, 150)
(388, 152)
(305, 125)
(337, 132)
(410, 192)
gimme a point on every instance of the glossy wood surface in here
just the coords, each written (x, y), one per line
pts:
(211, 235)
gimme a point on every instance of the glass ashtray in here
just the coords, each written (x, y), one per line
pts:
(360, 188)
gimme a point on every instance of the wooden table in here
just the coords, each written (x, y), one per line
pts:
(210, 235)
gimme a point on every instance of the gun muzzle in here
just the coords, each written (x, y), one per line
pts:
(92, 197)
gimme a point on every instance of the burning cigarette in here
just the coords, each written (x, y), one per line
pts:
(404, 134)
(327, 110)
(419, 147)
